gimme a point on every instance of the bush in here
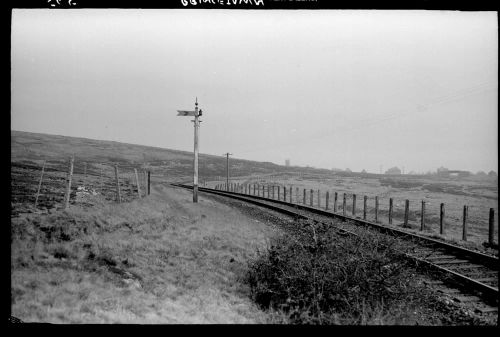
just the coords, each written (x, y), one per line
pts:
(317, 276)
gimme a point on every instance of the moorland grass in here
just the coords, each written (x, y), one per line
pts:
(310, 275)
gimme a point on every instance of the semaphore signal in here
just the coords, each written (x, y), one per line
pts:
(196, 113)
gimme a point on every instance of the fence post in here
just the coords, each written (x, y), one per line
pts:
(304, 196)
(118, 196)
(279, 193)
(319, 199)
(40, 183)
(344, 204)
(327, 198)
(407, 210)
(273, 192)
(149, 182)
(491, 227)
(284, 193)
(291, 194)
(144, 182)
(354, 205)
(441, 218)
(464, 232)
(137, 183)
(335, 202)
(68, 184)
(390, 211)
(364, 206)
(297, 195)
(311, 197)
(422, 220)
(376, 209)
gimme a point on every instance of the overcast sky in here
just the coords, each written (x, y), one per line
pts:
(344, 89)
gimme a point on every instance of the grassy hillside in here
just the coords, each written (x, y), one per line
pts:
(160, 259)
(29, 148)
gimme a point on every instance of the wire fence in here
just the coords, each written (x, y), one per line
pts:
(60, 183)
(476, 222)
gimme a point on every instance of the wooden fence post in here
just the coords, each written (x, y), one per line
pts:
(407, 211)
(291, 194)
(149, 182)
(40, 183)
(354, 205)
(422, 220)
(144, 183)
(376, 209)
(390, 211)
(441, 218)
(297, 196)
(68, 183)
(304, 196)
(344, 204)
(284, 193)
(491, 227)
(364, 206)
(273, 192)
(327, 198)
(335, 202)
(464, 232)
(137, 183)
(311, 198)
(279, 193)
(118, 195)
(319, 199)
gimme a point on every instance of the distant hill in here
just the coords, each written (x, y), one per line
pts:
(34, 148)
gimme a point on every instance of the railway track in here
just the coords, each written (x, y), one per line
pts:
(466, 275)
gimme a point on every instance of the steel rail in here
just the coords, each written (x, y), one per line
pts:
(489, 292)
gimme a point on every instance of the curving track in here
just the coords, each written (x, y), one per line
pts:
(475, 274)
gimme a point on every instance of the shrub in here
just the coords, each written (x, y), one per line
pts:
(317, 276)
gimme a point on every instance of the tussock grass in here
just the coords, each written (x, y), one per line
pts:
(310, 275)
(161, 259)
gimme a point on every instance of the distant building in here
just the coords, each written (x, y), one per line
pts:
(443, 172)
(363, 171)
(287, 162)
(393, 170)
(492, 174)
(455, 174)
(348, 170)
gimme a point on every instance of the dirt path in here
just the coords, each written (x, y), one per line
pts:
(161, 259)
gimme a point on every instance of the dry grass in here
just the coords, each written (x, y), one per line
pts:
(478, 196)
(161, 259)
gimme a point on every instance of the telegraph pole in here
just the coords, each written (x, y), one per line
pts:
(197, 122)
(227, 154)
